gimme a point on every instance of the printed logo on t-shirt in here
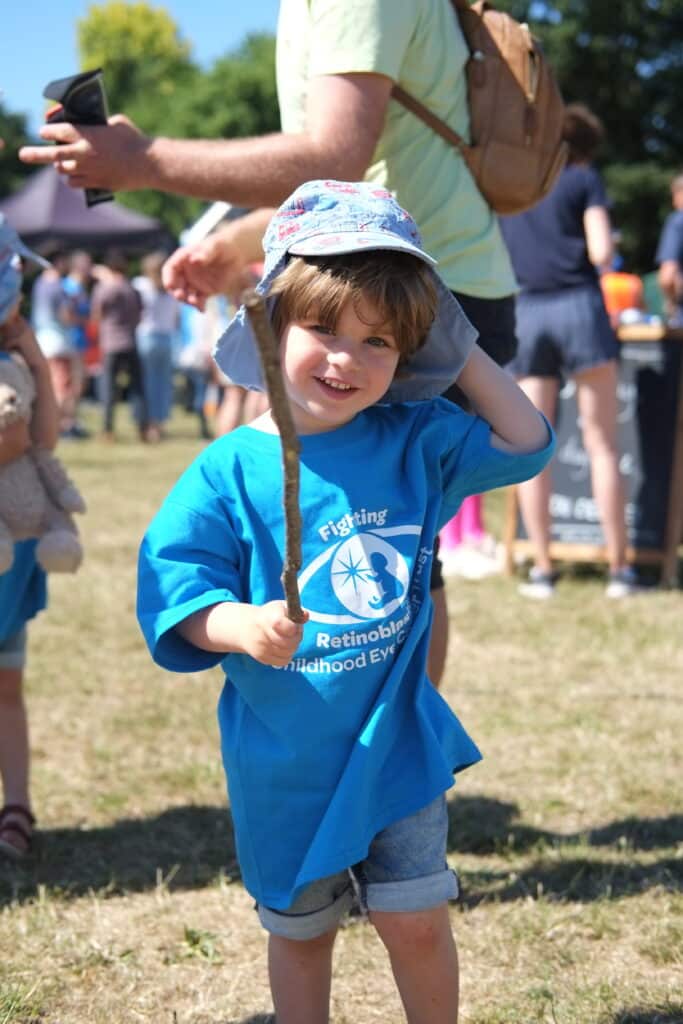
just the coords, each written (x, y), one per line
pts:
(360, 576)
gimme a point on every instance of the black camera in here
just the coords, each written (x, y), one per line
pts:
(82, 100)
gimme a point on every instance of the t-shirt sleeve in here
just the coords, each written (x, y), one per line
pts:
(360, 36)
(671, 241)
(595, 193)
(189, 559)
(472, 465)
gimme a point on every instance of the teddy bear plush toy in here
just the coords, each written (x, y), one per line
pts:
(37, 498)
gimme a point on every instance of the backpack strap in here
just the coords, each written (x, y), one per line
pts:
(409, 101)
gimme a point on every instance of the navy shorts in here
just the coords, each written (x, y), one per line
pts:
(562, 334)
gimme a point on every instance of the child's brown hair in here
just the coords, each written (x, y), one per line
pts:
(399, 285)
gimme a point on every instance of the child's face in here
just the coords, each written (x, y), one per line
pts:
(331, 374)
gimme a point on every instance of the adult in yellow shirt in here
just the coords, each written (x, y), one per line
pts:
(337, 61)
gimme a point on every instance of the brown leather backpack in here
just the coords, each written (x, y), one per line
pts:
(516, 110)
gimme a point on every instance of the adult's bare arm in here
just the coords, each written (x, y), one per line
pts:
(598, 232)
(670, 279)
(218, 265)
(345, 115)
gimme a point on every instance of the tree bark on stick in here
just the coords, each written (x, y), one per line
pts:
(282, 416)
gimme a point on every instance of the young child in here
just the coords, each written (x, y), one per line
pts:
(338, 750)
(22, 588)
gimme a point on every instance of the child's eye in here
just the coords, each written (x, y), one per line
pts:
(321, 329)
(378, 342)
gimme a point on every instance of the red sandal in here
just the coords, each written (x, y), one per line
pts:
(10, 827)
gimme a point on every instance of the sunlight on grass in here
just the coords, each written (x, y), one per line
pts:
(568, 837)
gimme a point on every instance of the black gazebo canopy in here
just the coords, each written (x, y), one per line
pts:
(47, 212)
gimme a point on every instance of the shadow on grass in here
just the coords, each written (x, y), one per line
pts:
(192, 847)
(642, 1015)
(260, 1018)
(482, 825)
(182, 848)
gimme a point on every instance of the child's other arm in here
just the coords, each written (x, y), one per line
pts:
(19, 336)
(517, 425)
(262, 631)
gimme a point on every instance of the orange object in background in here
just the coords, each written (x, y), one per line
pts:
(621, 291)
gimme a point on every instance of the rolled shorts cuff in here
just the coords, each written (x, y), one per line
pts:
(307, 926)
(13, 650)
(412, 894)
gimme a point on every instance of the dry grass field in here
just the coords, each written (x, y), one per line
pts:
(568, 838)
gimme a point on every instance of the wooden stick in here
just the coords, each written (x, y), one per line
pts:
(282, 416)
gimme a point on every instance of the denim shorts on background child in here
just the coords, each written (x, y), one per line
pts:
(405, 871)
(13, 650)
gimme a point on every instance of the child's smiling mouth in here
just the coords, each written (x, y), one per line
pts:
(337, 388)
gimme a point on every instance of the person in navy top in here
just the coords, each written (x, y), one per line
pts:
(558, 249)
(670, 256)
(338, 750)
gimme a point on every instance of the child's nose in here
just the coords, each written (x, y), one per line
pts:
(344, 353)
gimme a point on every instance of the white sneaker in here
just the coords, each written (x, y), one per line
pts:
(470, 562)
(623, 583)
(540, 586)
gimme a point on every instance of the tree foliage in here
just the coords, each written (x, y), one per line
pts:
(236, 97)
(13, 133)
(625, 61)
(147, 70)
(150, 76)
(147, 66)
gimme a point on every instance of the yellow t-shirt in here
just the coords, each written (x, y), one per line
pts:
(417, 43)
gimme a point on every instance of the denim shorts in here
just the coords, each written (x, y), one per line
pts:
(13, 650)
(562, 333)
(405, 871)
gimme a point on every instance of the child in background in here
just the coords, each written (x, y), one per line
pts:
(22, 589)
(337, 749)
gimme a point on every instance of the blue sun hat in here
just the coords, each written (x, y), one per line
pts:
(12, 250)
(325, 218)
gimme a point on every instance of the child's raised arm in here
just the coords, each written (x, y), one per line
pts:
(517, 425)
(262, 631)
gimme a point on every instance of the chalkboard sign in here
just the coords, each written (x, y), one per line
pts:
(647, 393)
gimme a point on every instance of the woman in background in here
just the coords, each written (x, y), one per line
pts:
(557, 250)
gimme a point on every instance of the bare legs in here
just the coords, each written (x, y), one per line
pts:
(64, 384)
(534, 494)
(14, 756)
(424, 962)
(597, 402)
(596, 391)
(300, 978)
(423, 959)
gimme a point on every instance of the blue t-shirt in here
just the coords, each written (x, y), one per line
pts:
(547, 243)
(23, 590)
(350, 736)
(671, 248)
(78, 293)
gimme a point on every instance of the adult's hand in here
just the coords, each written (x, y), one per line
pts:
(214, 266)
(218, 265)
(111, 156)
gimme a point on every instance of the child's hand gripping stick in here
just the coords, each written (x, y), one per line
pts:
(81, 100)
(270, 360)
